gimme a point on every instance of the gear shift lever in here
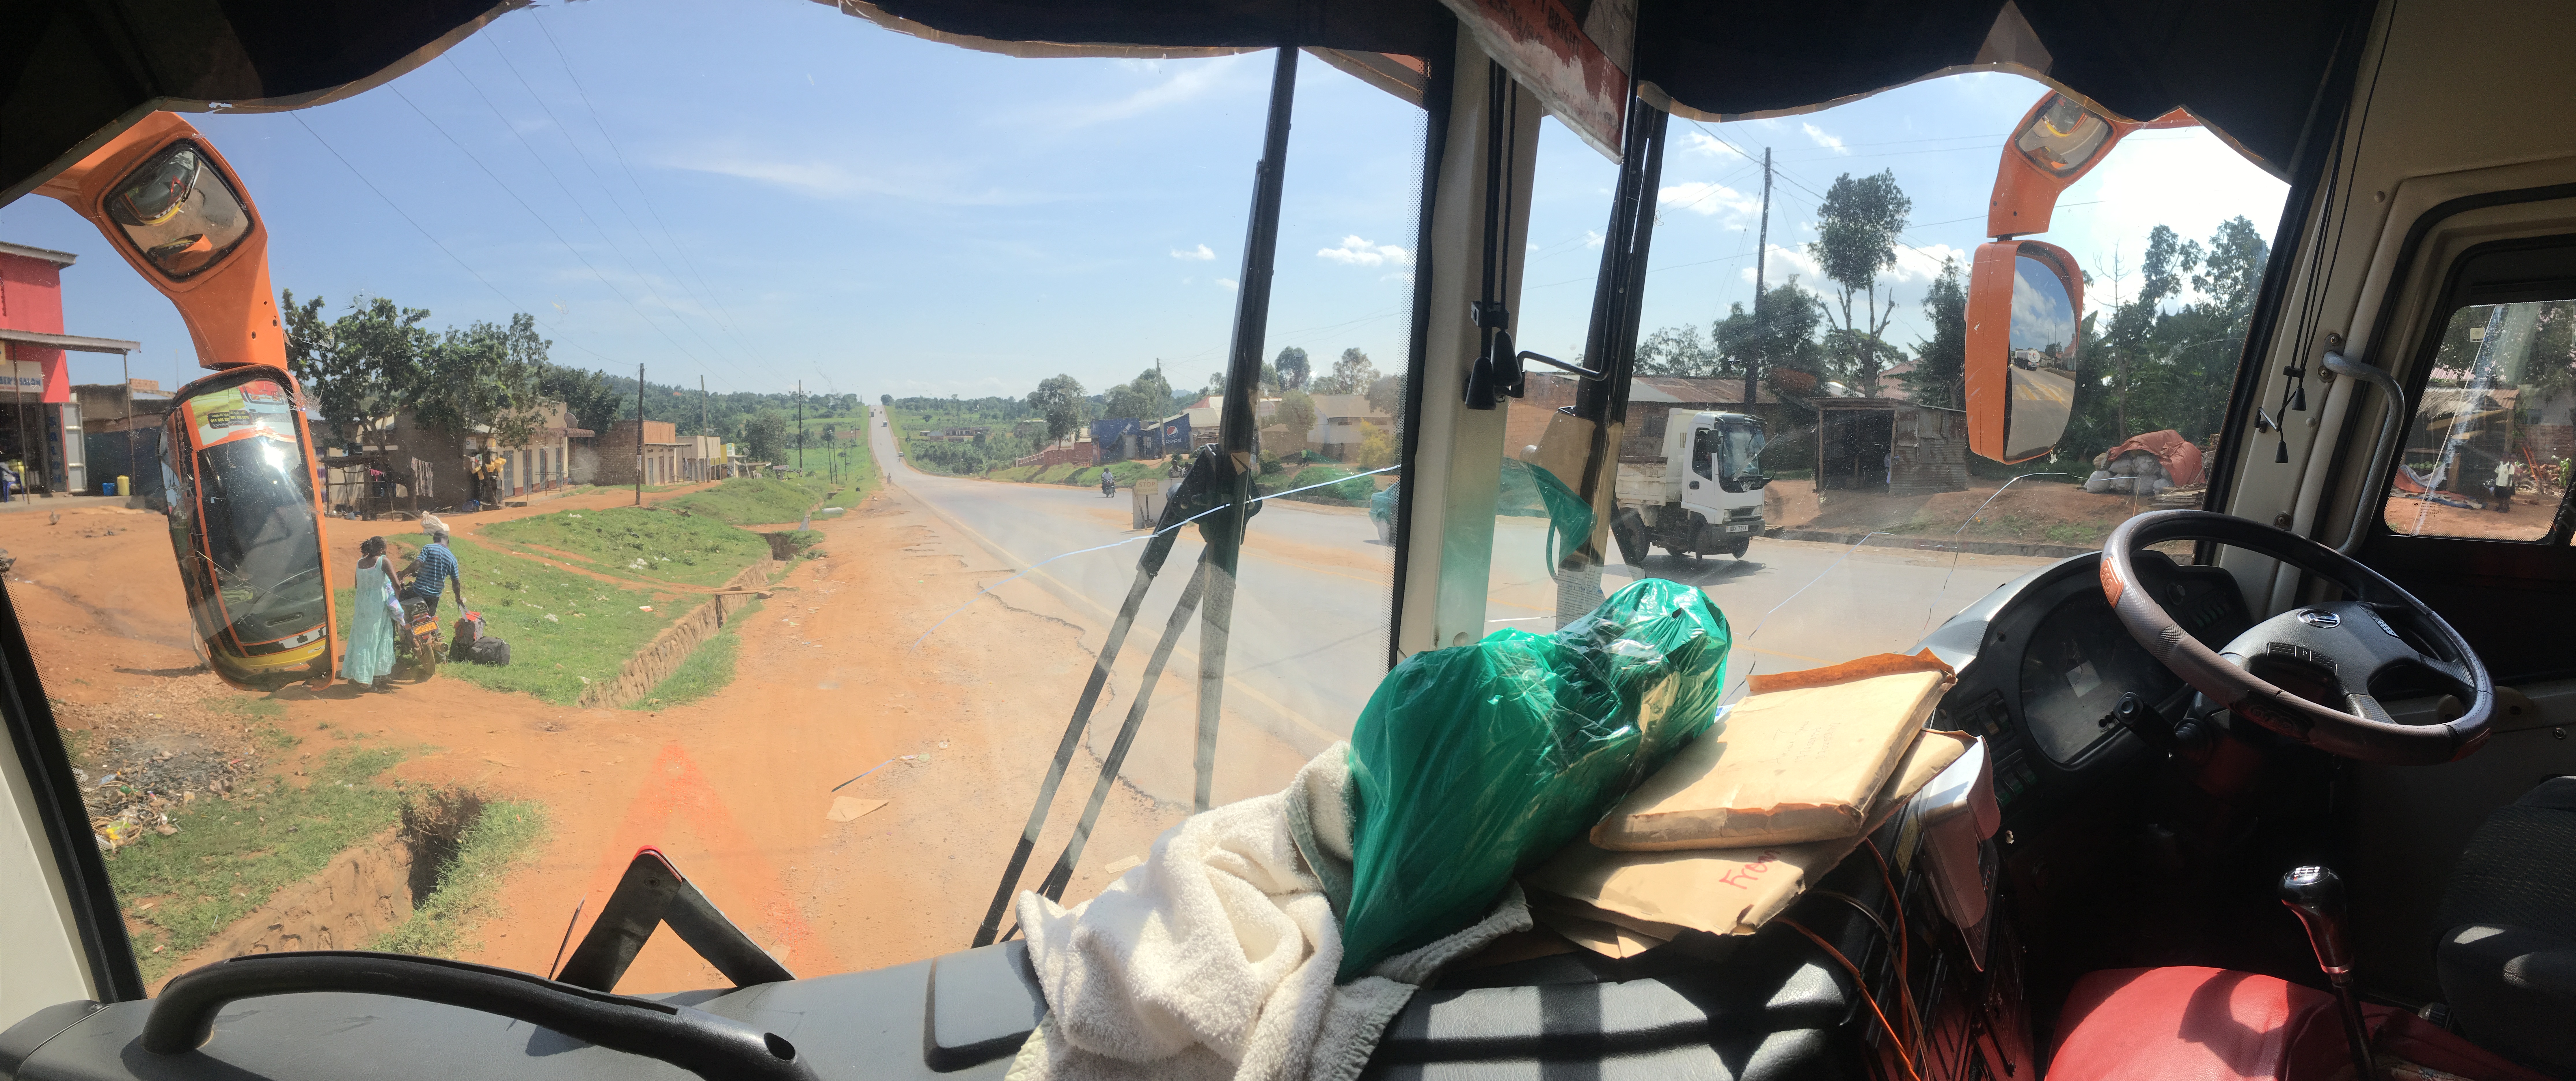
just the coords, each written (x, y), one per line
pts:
(2316, 894)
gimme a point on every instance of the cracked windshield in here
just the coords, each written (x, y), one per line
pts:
(812, 492)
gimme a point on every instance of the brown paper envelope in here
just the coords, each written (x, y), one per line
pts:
(1722, 891)
(1599, 936)
(1788, 767)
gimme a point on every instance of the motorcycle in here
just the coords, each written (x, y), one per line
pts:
(424, 651)
(1108, 484)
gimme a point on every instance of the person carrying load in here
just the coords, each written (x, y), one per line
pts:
(433, 568)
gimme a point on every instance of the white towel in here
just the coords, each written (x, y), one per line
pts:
(1215, 957)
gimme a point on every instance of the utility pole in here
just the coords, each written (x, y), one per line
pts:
(639, 435)
(800, 425)
(1761, 256)
(703, 430)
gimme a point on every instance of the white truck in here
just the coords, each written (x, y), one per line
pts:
(1701, 496)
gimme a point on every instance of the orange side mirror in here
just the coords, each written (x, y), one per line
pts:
(2025, 324)
(2056, 143)
(170, 204)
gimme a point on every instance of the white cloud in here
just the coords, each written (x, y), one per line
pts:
(1192, 79)
(1924, 263)
(1702, 197)
(1227, 284)
(1700, 142)
(1357, 251)
(1202, 253)
(1787, 262)
(1829, 142)
(1592, 239)
(834, 181)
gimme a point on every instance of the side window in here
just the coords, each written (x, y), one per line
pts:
(2488, 453)
(1704, 451)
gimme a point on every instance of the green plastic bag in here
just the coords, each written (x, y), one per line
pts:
(1471, 764)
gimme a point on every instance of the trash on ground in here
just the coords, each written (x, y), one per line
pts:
(849, 808)
(1122, 864)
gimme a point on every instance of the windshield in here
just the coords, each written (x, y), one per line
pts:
(832, 486)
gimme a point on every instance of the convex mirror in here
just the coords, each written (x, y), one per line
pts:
(179, 211)
(2025, 312)
(245, 523)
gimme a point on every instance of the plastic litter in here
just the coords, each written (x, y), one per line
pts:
(1470, 764)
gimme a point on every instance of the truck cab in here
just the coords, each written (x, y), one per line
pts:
(1702, 495)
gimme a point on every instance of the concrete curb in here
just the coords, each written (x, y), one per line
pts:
(669, 649)
(1932, 544)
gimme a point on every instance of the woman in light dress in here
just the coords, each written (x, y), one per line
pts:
(376, 627)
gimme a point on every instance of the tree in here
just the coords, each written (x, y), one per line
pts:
(485, 376)
(1377, 449)
(1270, 380)
(1297, 411)
(1060, 401)
(886, 400)
(1147, 398)
(764, 435)
(1675, 351)
(1353, 374)
(1216, 384)
(1386, 395)
(1294, 369)
(1856, 229)
(1941, 367)
(363, 367)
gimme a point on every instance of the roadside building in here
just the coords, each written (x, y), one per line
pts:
(1342, 421)
(121, 434)
(662, 456)
(1889, 445)
(1651, 400)
(42, 434)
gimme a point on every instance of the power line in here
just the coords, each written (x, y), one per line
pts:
(550, 228)
(647, 197)
(641, 278)
(705, 305)
(425, 234)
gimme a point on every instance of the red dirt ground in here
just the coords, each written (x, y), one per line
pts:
(734, 788)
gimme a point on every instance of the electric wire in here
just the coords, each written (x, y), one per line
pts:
(541, 220)
(434, 241)
(1861, 984)
(705, 310)
(642, 279)
(646, 197)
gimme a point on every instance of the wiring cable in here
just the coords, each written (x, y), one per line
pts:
(1904, 942)
(1860, 983)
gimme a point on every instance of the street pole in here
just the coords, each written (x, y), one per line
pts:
(800, 425)
(1761, 256)
(702, 423)
(125, 366)
(639, 435)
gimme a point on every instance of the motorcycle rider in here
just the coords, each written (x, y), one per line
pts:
(1108, 483)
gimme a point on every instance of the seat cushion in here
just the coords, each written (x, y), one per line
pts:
(2508, 959)
(2519, 869)
(2188, 1024)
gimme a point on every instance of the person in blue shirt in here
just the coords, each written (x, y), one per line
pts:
(432, 570)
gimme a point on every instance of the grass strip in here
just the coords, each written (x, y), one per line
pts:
(755, 500)
(704, 673)
(499, 837)
(595, 626)
(229, 856)
(648, 544)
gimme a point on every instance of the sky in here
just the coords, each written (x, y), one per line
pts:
(757, 192)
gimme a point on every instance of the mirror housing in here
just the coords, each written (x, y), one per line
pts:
(2025, 325)
(133, 190)
(2058, 141)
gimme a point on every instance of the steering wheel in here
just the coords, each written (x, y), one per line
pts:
(2330, 651)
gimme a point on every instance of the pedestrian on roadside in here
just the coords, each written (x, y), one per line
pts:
(432, 569)
(377, 625)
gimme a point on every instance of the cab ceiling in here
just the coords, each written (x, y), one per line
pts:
(79, 71)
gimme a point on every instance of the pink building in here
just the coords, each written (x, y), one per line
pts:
(40, 424)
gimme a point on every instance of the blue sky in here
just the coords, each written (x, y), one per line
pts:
(760, 191)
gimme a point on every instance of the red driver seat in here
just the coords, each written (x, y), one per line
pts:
(2212, 1024)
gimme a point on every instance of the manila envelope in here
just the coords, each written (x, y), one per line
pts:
(1721, 891)
(1798, 761)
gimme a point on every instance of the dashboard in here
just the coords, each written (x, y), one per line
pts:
(2042, 663)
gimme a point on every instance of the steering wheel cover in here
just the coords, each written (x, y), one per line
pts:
(2248, 696)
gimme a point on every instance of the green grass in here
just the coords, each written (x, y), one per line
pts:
(755, 500)
(229, 856)
(498, 838)
(650, 544)
(707, 671)
(597, 626)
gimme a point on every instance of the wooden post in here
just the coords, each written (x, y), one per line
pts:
(639, 435)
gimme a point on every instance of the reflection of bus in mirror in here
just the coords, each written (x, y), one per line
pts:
(245, 525)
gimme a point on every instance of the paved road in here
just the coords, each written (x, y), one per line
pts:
(1310, 620)
(2041, 401)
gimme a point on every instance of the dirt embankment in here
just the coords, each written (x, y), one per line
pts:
(735, 788)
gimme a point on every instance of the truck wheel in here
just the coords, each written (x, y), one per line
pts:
(1628, 529)
(1743, 546)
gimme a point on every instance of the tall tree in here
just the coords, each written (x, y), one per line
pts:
(764, 436)
(1676, 351)
(1784, 334)
(1353, 374)
(1297, 412)
(1941, 361)
(485, 378)
(1294, 368)
(1059, 400)
(363, 368)
(1856, 229)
